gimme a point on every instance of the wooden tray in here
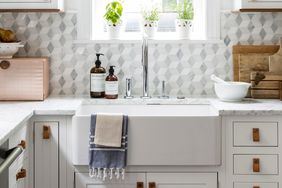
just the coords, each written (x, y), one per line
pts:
(266, 85)
(249, 58)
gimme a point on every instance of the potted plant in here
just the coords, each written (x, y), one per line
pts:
(183, 22)
(113, 17)
(150, 22)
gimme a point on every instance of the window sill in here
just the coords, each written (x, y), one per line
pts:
(132, 38)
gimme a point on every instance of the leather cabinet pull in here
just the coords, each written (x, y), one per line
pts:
(256, 165)
(46, 132)
(139, 185)
(256, 186)
(23, 144)
(256, 135)
(21, 174)
(152, 184)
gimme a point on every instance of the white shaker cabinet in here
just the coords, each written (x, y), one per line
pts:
(46, 154)
(32, 4)
(253, 151)
(19, 170)
(151, 180)
(51, 152)
(182, 180)
(257, 4)
(132, 180)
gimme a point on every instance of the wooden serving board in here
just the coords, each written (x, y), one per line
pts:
(275, 61)
(249, 58)
(267, 87)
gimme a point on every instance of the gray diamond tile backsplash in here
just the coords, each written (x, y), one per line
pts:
(185, 67)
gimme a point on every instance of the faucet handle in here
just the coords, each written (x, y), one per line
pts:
(128, 89)
(164, 96)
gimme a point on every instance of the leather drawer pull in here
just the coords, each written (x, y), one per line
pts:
(46, 132)
(140, 185)
(21, 174)
(256, 165)
(256, 135)
(23, 144)
(256, 186)
(152, 185)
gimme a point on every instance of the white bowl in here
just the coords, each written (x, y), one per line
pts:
(7, 50)
(232, 92)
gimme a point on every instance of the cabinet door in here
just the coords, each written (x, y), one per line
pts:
(32, 4)
(183, 180)
(82, 180)
(258, 4)
(46, 154)
(24, 1)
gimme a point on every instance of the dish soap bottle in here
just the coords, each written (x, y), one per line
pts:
(97, 79)
(111, 85)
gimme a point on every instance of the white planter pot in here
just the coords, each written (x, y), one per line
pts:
(113, 31)
(183, 28)
(150, 28)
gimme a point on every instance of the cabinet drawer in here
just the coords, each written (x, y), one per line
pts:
(183, 180)
(82, 180)
(255, 164)
(255, 184)
(255, 134)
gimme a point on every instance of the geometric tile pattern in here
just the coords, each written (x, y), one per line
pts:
(185, 67)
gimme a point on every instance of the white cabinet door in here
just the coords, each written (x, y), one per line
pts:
(82, 180)
(257, 4)
(46, 154)
(182, 180)
(32, 4)
(24, 1)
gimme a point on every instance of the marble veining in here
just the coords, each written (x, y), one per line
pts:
(14, 114)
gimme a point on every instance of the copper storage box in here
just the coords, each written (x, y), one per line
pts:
(24, 79)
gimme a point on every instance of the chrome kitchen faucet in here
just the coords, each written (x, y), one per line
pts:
(145, 62)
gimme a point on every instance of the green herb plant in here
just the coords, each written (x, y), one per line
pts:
(114, 12)
(151, 15)
(185, 10)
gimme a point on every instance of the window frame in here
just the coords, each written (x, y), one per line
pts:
(85, 22)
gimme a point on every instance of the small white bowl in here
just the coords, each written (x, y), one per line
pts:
(7, 50)
(232, 92)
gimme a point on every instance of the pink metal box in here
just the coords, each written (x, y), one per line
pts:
(24, 79)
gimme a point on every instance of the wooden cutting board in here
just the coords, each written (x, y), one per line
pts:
(250, 58)
(266, 85)
(275, 61)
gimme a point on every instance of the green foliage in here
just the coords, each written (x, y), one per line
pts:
(151, 15)
(185, 10)
(114, 12)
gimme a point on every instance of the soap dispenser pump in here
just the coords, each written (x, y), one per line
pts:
(97, 79)
(111, 85)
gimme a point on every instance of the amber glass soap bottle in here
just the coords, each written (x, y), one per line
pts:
(97, 79)
(111, 85)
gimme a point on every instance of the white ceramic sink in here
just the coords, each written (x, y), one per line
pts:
(158, 134)
(150, 110)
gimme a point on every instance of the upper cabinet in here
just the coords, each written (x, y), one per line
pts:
(32, 4)
(258, 4)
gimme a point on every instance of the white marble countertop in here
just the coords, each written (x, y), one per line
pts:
(14, 114)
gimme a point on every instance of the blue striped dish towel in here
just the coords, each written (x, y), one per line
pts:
(106, 162)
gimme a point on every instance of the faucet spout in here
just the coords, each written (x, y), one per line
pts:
(145, 64)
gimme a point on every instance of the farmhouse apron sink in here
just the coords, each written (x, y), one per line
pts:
(158, 134)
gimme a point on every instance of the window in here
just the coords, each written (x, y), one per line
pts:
(205, 23)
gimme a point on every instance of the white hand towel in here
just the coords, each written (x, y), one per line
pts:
(108, 131)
